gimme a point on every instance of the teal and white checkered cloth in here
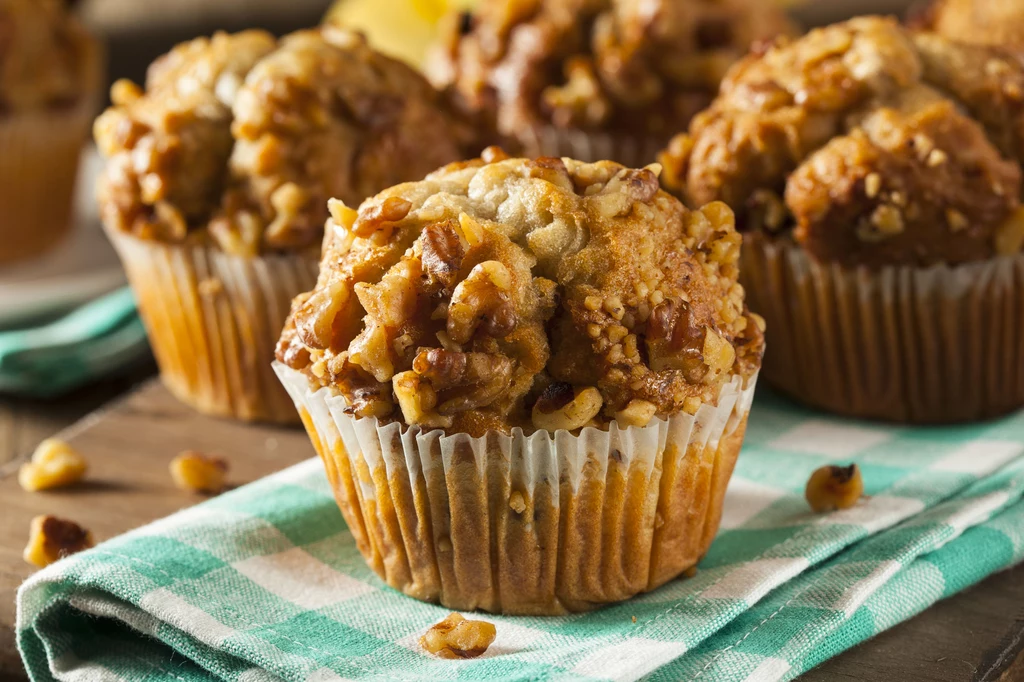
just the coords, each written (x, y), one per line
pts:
(265, 583)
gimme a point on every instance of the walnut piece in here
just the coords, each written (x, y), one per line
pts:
(457, 637)
(52, 538)
(54, 464)
(195, 472)
(834, 487)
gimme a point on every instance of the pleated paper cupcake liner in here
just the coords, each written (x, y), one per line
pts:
(632, 151)
(39, 155)
(905, 344)
(541, 524)
(213, 320)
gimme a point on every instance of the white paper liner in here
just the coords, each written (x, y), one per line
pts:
(632, 151)
(909, 344)
(602, 515)
(213, 320)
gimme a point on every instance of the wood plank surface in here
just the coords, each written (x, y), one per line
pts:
(977, 635)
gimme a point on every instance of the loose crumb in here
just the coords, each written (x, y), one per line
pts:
(54, 464)
(195, 472)
(52, 538)
(456, 637)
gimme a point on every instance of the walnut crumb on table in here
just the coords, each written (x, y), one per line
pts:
(834, 487)
(54, 464)
(456, 637)
(195, 472)
(52, 538)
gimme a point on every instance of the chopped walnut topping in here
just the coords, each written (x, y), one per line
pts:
(195, 472)
(457, 637)
(52, 538)
(54, 464)
(539, 294)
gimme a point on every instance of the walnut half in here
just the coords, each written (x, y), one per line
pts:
(52, 538)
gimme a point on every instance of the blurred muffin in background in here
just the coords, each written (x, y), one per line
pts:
(50, 77)
(985, 22)
(594, 79)
(402, 29)
(216, 185)
(876, 174)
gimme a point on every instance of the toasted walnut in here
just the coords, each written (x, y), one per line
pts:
(674, 341)
(636, 413)
(576, 413)
(456, 637)
(834, 487)
(196, 472)
(482, 301)
(417, 399)
(463, 381)
(52, 538)
(442, 255)
(54, 464)
(380, 216)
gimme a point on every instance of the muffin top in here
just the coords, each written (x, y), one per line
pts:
(985, 22)
(619, 65)
(46, 58)
(241, 139)
(542, 294)
(867, 144)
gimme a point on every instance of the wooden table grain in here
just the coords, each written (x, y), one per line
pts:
(976, 636)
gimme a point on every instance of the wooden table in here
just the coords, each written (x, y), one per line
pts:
(977, 635)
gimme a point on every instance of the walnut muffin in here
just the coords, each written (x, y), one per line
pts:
(216, 185)
(50, 71)
(598, 79)
(572, 314)
(876, 174)
(985, 22)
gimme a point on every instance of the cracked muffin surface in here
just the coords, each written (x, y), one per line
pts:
(867, 144)
(986, 22)
(241, 139)
(607, 65)
(542, 294)
(46, 57)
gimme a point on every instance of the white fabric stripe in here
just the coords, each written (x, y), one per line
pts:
(769, 670)
(70, 668)
(299, 474)
(978, 457)
(630, 659)
(298, 577)
(324, 675)
(745, 499)
(977, 511)
(175, 611)
(856, 594)
(754, 579)
(110, 608)
(876, 513)
(829, 439)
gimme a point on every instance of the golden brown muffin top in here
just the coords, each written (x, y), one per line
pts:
(621, 65)
(46, 58)
(872, 144)
(241, 139)
(984, 22)
(542, 294)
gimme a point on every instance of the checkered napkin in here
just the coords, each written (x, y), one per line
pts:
(265, 583)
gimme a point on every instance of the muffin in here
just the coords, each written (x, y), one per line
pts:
(50, 72)
(876, 176)
(528, 380)
(216, 185)
(594, 79)
(984, 22)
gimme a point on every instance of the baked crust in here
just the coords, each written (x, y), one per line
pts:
(495, 289)
(241, 139)
(622, 65)
(984, 22)
(866, 143)
(47, 60)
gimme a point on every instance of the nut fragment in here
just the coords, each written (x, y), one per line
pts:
(834, 487)
(637, 413)
(52, 538)
(575, 414)
(456, 637)
(196, 472)
(54, 464)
